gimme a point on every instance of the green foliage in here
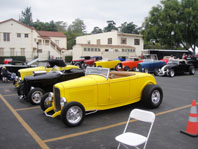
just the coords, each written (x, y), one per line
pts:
(129, 28)
(41, 26)
(19, 58)
(173, 24)
(26, 16)
(96, 30)
(77, 28)
(110, 26)
(68, 59)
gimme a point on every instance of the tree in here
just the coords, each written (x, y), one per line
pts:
(26, 16)
(61, 26)
(111, 26)
(45, 26)
(77, 28)
(129, 28)
(96, 30)
(173, 24)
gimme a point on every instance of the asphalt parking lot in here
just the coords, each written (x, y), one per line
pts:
(23, 125)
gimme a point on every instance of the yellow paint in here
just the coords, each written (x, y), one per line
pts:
(25, 125)
(107, 64)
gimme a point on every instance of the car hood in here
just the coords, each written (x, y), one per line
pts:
(88, 80)
(154, 62)
(47, 76)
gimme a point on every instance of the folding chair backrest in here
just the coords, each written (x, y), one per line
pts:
(142, 115)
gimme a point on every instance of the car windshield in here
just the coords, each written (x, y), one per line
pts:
(97, 71)
(172, 62)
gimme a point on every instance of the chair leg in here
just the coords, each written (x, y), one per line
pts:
(118, 146)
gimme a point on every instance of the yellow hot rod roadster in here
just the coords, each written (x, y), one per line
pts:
(100, 89)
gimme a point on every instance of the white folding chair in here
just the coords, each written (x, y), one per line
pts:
(134, 139)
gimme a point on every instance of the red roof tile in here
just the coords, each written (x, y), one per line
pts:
(50, 34)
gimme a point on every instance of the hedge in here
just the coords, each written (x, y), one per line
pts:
(68, 59)
(19, 58)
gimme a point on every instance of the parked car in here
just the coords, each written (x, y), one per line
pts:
(91, 61)
(15, 65)
(129, 64)
(176, 66)
(100, 89)
(193, 59)
(122, 58)
(33, 87)
(107, 64)
(44, 66)
(80, 61)
(150, 66)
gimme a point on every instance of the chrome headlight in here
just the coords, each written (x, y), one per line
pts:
(51, 94)
(62, 101)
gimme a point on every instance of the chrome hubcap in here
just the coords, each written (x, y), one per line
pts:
(48, 102)
(36, 97)
(74, 114)
(155, 97)
(172, 73)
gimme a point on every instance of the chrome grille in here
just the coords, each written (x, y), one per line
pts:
(57, 99)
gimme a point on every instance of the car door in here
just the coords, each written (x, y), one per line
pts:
(119, 90)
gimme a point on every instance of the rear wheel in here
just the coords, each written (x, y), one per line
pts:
(73, 114)
(35, 95)
(191, 70)
(118, 67)
(152, 96)
(156, 71)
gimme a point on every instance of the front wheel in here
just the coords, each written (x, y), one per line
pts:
(156, 71)
(152, 96)
(73, 114)
(35, 96)
(171, 73)
(126, 68)
(20, 89)
(46, 101)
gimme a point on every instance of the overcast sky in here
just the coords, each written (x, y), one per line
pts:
(92, 12)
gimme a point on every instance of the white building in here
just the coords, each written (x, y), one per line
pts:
(108, 45)
(17, 39)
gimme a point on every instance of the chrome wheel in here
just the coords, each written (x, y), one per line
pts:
(36, 97)
(48, 102)
(74, 114)
(172, 73)
(155, 97)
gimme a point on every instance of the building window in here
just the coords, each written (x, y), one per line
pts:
(98, 49)
(89, 42)
(6, 36)
(40, 51)
(92, 49)
(22, 51)
(106, 50)
(133, 50)
(109, 40)
(88, 49)
(136, 41)
(122, 50)
(1, 52)
(123, 41)
(85, 49)
(11, 51)
(26, 35)
(116, 50)
(18, 35)
(47, 42)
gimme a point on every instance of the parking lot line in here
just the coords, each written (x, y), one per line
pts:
(21, 109)
(109, 126)
(24, 124)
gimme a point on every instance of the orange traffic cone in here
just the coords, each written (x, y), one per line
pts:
(192, 124)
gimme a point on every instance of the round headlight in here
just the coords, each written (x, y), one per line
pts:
(62, 101)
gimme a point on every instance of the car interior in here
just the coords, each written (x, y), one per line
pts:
(120, 74)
